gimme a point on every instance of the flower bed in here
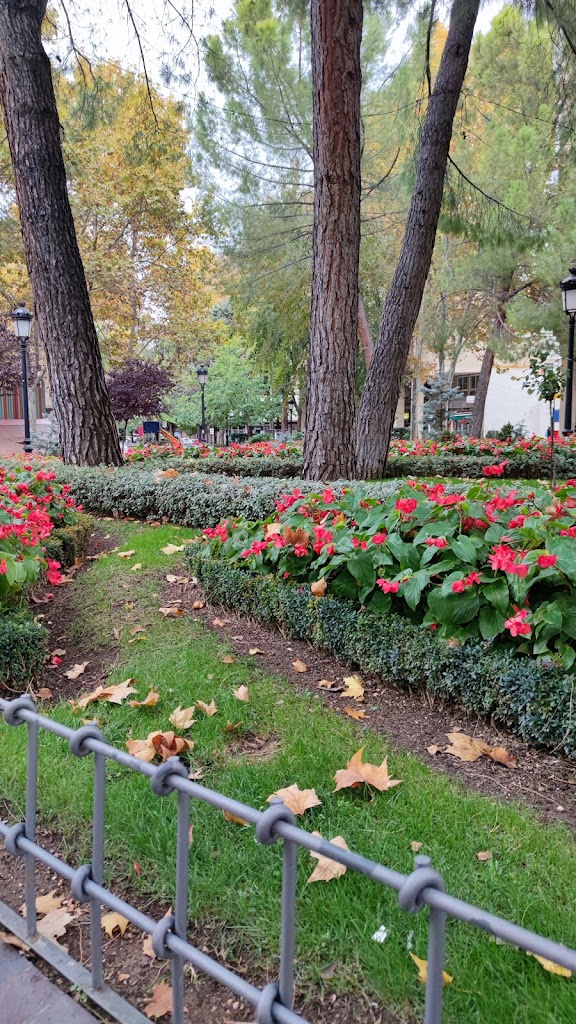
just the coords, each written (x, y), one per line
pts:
(201, 451)
(485, 563)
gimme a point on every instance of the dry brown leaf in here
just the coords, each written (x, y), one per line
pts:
(161, 1003)
(190, 835)
(172, 549)
(106, 694)
(166, 474)
(255, 650)
(172, 612)
(318, 588)
(355, 713)
(55, 923)
(422, 966)
(234, 818)
(149, 701)
(126, 554)
(356, 773)
(354, 688)
(326, 868)
(433, 748)
(114, 924)
(123, 977)
(182, 718)
(326, 684)
(228, 660)
(296, 537)
(208, 709)
(74, 673)
(141, 638)
(271, 529)
(44, 693)
(163, 744)
(298, 800)
(241, 694)
(147, 947)
(136, 629)
(116, 633)
(232, 726)
(550, 966)
(219, 622)
(137, 868)
(176, 579)
(58, 653)
(484, 855)
(299, 666)
(198, 773)
(48, 902)
(134, 568)
(13, 940)
(198, 604)
(467, 748)
(414, 846)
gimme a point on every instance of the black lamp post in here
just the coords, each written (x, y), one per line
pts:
(568, 286)
(202, 372)
(22, 320)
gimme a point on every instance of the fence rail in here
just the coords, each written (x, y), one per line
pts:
(424, 887)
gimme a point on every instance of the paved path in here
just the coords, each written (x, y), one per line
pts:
(28, 997)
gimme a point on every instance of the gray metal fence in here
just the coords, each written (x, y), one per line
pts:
(424, 887)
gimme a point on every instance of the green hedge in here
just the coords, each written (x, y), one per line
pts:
(193, 500)
(261, 465)
(67, 543)
(23, 648)
(533, 699)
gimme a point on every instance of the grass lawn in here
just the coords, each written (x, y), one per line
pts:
(235, 882)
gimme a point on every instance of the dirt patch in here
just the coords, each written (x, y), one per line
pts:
(410, 721)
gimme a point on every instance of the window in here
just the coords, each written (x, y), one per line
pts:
(467, 382)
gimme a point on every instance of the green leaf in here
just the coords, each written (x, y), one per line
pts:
(464, 548)
(565, 549)
(491, 621)
(362, 569)
(412, 589)
(567, 606)
(497, 593)
(453, 608)
(380, 603)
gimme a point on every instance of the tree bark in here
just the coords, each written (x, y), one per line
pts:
(87, 429)
(336, 81)
(364, 333)
(481, 393)
(375, 418)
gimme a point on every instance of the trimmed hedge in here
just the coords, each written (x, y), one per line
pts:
(67, 543)
(532, 699)
(262, 465)
(193, 500)
(23, 648)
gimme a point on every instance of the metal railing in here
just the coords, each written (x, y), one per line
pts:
(424, 887)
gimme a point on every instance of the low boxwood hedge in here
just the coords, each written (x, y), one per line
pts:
(67, 543)
(23, 648)
(534, 700)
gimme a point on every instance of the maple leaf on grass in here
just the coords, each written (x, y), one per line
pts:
(233, 726)
(357, 772)
(78, 670)
(235, 818)
(182, 718)
(161, 1003)
(326, 868)
(208, 709)
(354, 688)
(114, 924)
(468, 748)
(550, 966)
(161, 744)
(298, 800)
(422, 966)
(126, 554)
(171, 612)
(241, 694)
(149, 701)
(172, 549)
(106, 694)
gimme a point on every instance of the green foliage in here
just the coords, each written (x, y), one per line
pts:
(530, 697)
(23, 648)
(67, 543)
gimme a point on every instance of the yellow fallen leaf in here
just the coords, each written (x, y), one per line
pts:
(468, 748)
(149, 701)
(208, 709)
(219, 622)
(106, 694)
(176, 579)
(255, 650)
(327, 869)
(55, 923)
(147, 948)
(356, 773)
(550, 966)
(137, 565)
(161, 1003)
(198, 604)
(355, 713)
(299, 666)
(44, 904)
(172, 612)
(414, 846)
(433, 748)
(484, 855)
(354, 688)
(78, 670)
(326, 684)
(136, 629)
(232, 726)
(422, 966)
(182, 718)
(234, 818)
(228, 659)
(171, 549)
(13, 940)
(318, 588)
(298, 800)
(241, 694)
(114, 924)
(126, 554)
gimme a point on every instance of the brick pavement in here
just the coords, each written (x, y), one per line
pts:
(28, 997)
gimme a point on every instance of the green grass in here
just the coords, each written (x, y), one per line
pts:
(235, 883)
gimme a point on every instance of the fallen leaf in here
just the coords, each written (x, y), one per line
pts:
(414, 846)
(433, 749)
(255, 650)
(141, 638)
(137, 868)
(149, 701)
(356, 773)
(354, 688)
(161, 744)
(271, 529)
(172, 612)
(44, 693)
(48, 902)
(234, 818)
(116, 633)
(55, 923)
(467, 748)
(13, 940)
(161, 1002)
(232, 726)
(296, 537)
(326, 868)
(106, 694)
(182, 718)
(176, 579)
(123, 977)
(114, 924)
(318, 588)
(355, 713)
(484, 855)
(198, 773)
(208, 709)
(133, 568)
(422, 966)
(172, 549)
(58, 653)
(126, 554)
(147, 948)
(73, 673)
(298, 800)
(550, 966)
(241, 694)
(219, 622)
(326, 684)
(198, 604)
(190, 835)
(299, 666)
(166, 474)
(136, 629)
(228, 659)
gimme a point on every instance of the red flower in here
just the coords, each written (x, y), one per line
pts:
(3, 567)
(328, 496)
(517, 624)
(379, 538)
(406, 505)
(387, 586)
(437, 542)
(459, 586)
(545, 561)
(300, 550)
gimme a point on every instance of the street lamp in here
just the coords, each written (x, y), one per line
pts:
(202, 372)
(568, 286)
(22, 320)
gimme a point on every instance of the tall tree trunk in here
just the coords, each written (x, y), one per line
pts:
(481, 393)
(330, 399)
(87, 429)
(364, 333)
(375, 417)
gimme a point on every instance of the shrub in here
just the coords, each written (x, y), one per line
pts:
(23, 647)
(532, 697)
(67, 543)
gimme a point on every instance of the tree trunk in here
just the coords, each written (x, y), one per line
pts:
(481, 394)
(365, 334)
(330, 399)
(382, 389)
(87, 430)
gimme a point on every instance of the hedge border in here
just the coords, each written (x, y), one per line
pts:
(23, 648)
(67, 543)
(531, 698)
